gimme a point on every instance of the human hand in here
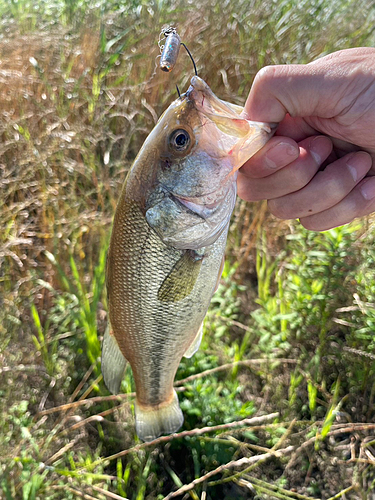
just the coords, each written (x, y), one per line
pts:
(334, 96)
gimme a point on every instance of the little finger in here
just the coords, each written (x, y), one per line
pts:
(359, 202)
(327, 188)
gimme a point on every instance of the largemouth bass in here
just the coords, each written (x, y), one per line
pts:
(167, 247)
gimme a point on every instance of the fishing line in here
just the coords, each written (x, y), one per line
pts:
(191, 57)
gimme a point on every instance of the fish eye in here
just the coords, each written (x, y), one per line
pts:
(179, 140)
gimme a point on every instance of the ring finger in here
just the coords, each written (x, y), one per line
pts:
(327, 188)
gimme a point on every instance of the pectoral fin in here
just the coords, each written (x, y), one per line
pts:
(181, 280)
(194, 346)
(113, 362)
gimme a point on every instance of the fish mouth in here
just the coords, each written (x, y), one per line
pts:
(198, 207)
(206, 101)
(224, 130)
(203, 206)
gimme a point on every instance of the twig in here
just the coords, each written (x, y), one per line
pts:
(284, 436)
(335, 430)
(177, 481)
(273, 493)
(235, 323)
(64, 449)
(96, 382)
(355, 461)
(82, 382)
(272, 487)
(343, 322)
(342, 492)
(228, 366)
(204, 492)
(24, 368)
(90, 402)
(66, 415)
(80, 494)
(183, 434)
(107, 493)
(263, 458)
(361, 305)
(234, 464)
(46, 394)
(93, 418)
(358, 352)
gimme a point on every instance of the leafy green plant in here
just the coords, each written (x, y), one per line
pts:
(86, 299)
(48, 355)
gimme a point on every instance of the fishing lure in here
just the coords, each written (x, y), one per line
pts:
(171, 50)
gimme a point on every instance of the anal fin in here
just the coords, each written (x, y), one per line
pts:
(151, 422)
(194, 346)
(113, 362)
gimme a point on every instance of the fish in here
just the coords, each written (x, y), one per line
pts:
(167, 245)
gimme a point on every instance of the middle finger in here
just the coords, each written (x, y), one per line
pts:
(293, 177)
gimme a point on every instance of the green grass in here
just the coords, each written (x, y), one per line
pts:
(290, 329)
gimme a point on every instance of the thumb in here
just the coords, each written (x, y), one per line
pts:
(323, 88)
(296, 89)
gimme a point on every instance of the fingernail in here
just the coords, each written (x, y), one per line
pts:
(320, 148)
(280, 155)
(368, 189)
(358, 165)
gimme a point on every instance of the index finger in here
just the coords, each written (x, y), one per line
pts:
(276, 154)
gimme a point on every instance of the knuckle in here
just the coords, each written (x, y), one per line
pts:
(353, 207)
(266, 75)
(333, 185)
(302, 176)
(253, 169)
(244, 189)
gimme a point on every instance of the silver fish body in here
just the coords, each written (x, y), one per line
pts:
(167, 247)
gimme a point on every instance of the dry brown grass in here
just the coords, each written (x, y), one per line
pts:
(72, 119)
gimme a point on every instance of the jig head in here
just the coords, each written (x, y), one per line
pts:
(171, 50)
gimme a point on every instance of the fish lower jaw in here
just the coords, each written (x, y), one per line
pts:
(199, 209)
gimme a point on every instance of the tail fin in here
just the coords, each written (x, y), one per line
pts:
(151, 422)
